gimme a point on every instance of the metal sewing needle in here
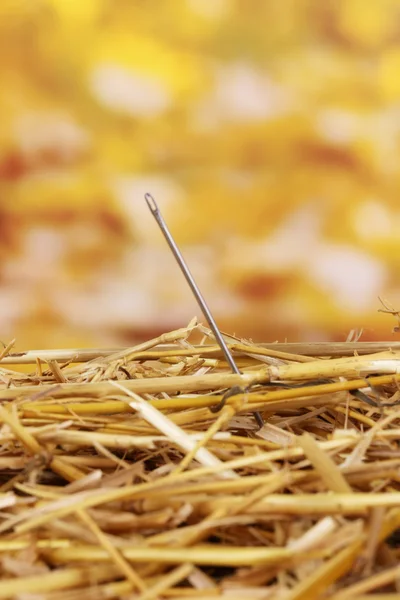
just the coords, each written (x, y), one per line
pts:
(152, 204)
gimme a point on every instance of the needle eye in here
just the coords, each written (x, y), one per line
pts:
(151, 203)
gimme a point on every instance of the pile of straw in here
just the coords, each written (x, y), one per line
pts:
(119, 480)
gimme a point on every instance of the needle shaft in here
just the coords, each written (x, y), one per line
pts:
(151, 203)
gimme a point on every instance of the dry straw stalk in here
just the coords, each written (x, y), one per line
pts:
(116, 457)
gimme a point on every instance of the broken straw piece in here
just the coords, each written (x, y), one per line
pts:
(173, 431)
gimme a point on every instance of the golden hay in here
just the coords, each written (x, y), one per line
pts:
(117, 479)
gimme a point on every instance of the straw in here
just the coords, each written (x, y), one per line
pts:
(118, 457)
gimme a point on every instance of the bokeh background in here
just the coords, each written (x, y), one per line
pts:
(267, 130)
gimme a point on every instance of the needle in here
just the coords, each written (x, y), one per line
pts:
(151, 203)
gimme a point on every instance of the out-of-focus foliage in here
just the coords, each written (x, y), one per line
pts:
(268, 131)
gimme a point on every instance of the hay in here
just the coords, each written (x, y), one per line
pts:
(117, 479)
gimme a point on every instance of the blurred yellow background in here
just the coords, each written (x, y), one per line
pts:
(267, 130)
